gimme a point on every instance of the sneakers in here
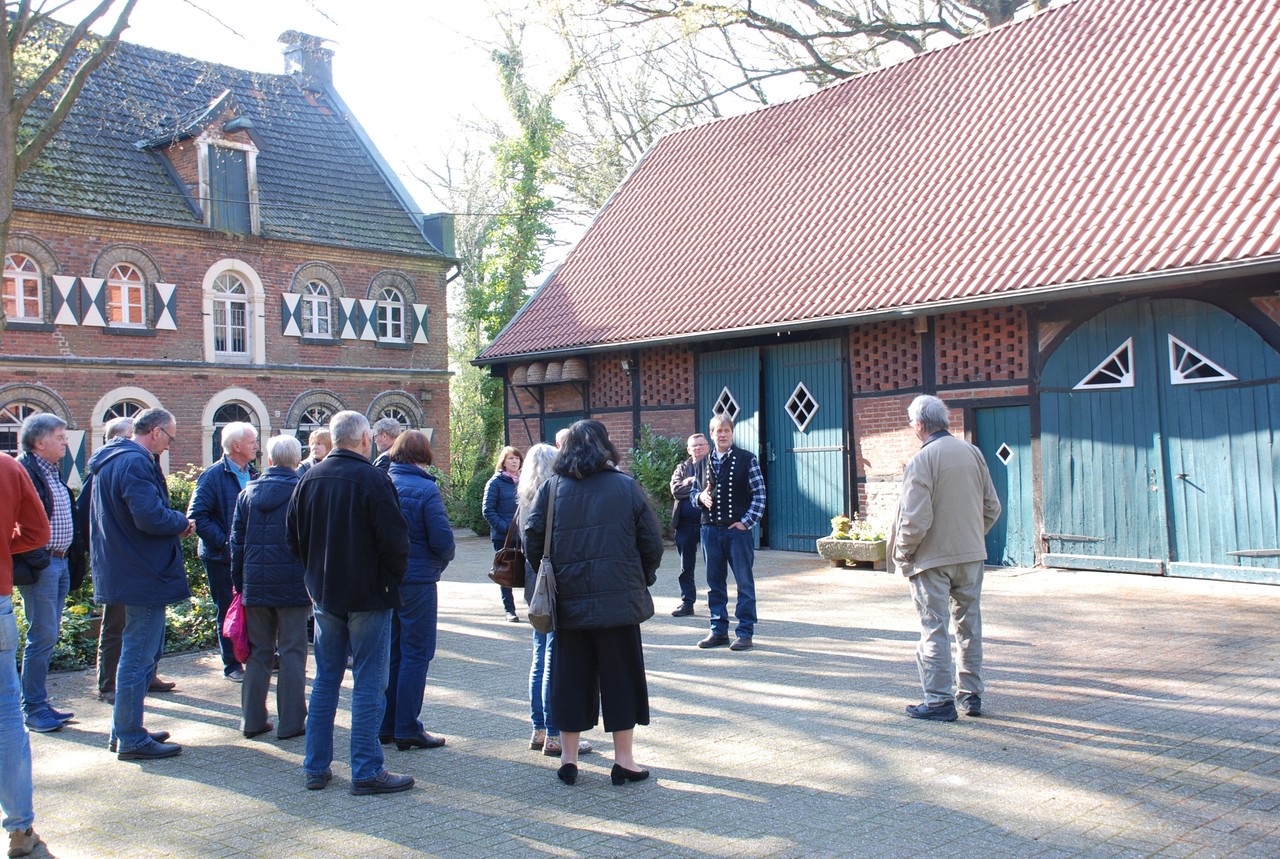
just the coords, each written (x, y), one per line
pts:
(63, 716)
(43, 722)
(23, 841)
(319, 781)
(383, 782)
(942, 711)
(713, 640)
(512, 617)
(236, 676)
(553, 748)
(972, 705)
(685, 610)
(537, 739)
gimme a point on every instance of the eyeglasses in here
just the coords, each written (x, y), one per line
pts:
(166, 432)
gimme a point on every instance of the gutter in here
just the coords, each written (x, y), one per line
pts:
(1124, 285)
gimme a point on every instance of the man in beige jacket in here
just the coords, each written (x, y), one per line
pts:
(937, 541)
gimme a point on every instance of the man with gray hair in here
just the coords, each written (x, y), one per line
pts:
(44, 576)
(385, 433)
(135, 543)
(947, 505)
(213, 503)
(344, 522)
(112, 615)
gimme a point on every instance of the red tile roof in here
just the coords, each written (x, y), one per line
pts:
(1096, 141)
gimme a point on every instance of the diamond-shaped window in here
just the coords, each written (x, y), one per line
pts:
(726, 405)
(802, 407)
(1004, 454)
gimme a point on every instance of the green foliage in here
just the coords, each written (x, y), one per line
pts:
(181, 486)
(471, 503)
(652, 462)
(191, 625)
(77, 645)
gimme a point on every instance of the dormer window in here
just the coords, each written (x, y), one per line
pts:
(229, 185)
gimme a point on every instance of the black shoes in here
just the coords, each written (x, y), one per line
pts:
(568, 773)
(741, 644)
(299, 733)
(421, 741)
(267, 728)
(386, 739)
(620, 775)
(151, 750)
(383, 782)
(713, 640)
(685, 610)
(972, 705)
(319, 781)
(158, 736)
(942, 711)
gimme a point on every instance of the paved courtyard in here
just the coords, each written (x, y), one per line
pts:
(1125, 716)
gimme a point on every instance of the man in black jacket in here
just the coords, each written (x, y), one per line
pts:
(44, 576)
(686, 521)
(344, 523)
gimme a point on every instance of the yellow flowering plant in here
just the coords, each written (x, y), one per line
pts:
(855, 528)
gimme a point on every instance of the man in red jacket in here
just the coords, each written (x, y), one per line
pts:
(23, 527)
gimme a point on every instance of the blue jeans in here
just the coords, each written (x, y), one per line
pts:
(43, 601)
(736, 549)
(687, 539)
(366, 635)
(143, 637)
(219, 575)
(15, 750)
(540, 683)
(413, 645)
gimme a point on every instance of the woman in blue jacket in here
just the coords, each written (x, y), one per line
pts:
(413, 626)
(270, 580)
(500, 511)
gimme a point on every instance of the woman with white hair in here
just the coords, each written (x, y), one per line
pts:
(269, 579)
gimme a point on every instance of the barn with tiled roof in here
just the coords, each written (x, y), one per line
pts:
(1068, 228)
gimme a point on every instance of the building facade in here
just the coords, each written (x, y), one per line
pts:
(1079, 254)
(228, 245)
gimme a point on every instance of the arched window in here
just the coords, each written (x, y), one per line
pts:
(312, 419)
(11, 417)
(391, 315)
(125, 286)
(230, 413)
(402, 415)
(315, 310)
(23, 297)
(123, 409)
(230, 317)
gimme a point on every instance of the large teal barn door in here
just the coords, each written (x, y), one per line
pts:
(1158, 439)
(729, 382)
(1100, 442)
(1220, 409)
(1004, 436)
(804, 441)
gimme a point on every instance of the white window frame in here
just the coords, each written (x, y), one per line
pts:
(132, 296)
(317, 305)
(256, 313)
(17, 280)
(251, 165)
(391, 307)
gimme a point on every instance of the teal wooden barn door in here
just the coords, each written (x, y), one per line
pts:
(1219, 409)
(804, 442)
(1101, 448)
(1004, 436)
(729, 382)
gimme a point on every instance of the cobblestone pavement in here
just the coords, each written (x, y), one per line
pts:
(1125, 716)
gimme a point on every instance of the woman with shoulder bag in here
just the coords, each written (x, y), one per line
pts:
(500, 510)
(606, 545)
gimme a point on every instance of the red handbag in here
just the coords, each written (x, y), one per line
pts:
(236, 627)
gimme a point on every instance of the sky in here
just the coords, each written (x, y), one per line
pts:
(414, 72)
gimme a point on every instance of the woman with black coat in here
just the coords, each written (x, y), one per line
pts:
(500, 510)
(606, 545)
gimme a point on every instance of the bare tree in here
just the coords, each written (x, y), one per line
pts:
(44, 65)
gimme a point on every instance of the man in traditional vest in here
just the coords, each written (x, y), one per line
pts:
(733, 500)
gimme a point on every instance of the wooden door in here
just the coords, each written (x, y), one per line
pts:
(1003, 435)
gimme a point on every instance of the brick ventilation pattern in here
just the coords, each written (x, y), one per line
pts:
(885, 356)
(666, 376)
(982, 345)
(610, 386)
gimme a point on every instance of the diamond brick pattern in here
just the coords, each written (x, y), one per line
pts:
(885, 355)
(610, 385)
(982, 345)
(666, 376)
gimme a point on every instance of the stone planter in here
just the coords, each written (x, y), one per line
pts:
(860, 553)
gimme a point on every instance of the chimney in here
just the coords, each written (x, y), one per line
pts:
(306, 58)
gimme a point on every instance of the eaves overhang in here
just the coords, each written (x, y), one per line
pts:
(1115, 286)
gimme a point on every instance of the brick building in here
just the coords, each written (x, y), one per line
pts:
(226, 244)
(1066, 228)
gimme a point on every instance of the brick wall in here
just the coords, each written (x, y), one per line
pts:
(1269, 305)
(666, 376)
(981, 345)
(884, 356)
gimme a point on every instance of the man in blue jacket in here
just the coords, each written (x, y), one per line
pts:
(213, 504)
(344, 523)
(135, 544)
